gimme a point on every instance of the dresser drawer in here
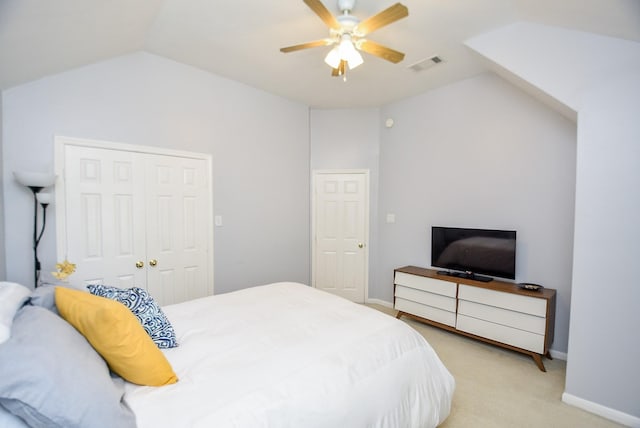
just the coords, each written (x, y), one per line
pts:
(514, 302)
(426, 311)
(426, 298)
(424, 283)
(500, 333)
(519, 320)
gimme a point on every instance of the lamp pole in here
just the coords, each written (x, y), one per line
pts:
(36, 182)
(44, 199)
(36, 262)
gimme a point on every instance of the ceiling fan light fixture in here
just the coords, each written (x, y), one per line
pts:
(356, 61)
(349, 53)
(333, 58)
(347, 32)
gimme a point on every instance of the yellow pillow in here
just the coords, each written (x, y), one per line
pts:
(117, 335)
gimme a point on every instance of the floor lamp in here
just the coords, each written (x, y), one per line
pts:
(36, 181)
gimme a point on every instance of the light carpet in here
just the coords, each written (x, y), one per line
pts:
(497, 388)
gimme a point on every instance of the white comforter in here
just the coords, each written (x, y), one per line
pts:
(287, 355)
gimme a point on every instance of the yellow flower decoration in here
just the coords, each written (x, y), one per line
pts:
(64, 270)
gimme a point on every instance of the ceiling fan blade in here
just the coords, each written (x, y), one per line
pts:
(324, 14)
(314, 44)
(378, 50)
(386, 17)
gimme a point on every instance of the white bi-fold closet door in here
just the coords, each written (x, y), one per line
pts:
(130, 216)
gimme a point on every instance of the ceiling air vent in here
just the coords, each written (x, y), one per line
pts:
(426, 63)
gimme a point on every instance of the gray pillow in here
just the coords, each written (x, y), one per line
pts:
(9, 420)
(50, 376)
(44, 296)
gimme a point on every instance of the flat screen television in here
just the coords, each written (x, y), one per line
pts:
(473, 253)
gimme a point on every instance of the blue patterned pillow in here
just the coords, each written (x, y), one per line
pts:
(145, 308)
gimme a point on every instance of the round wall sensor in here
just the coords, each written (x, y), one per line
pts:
(388, 123)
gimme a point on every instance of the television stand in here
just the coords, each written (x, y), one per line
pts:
(466, 275)
(496, 312)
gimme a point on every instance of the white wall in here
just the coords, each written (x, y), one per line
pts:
(604, 342)
(350, 139)
(259, 143)
(480, 153)
(559, 62)
(599, 77)
(3, 271)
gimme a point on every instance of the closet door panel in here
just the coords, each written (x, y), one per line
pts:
(177, 227)
(104, 216)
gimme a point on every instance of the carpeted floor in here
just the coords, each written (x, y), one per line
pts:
(500, 388)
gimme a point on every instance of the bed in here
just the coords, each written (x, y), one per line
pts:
(287, 355)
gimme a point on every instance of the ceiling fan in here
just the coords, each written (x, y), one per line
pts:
(347, 35)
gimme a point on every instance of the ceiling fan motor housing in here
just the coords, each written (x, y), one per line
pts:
(346, 5)
(348, 22)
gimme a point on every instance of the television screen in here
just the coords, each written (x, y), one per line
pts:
(474, 251)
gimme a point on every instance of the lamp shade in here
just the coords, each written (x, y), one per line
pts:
(44, 198)
(348, 52)
(34, 179)
(333, 58)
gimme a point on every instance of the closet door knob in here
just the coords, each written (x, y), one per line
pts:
(153, 262)
(361, 245)
(139, 264)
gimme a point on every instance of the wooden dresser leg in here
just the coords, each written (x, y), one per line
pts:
(538, 359)
(400, 313)
(548, 355)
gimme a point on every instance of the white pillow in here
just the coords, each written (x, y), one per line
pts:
(12, 297)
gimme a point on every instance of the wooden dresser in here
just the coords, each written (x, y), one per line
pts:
(497, 312)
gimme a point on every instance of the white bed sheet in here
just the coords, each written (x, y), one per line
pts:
(288, 355)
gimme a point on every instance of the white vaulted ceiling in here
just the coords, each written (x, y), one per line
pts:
(240, 39)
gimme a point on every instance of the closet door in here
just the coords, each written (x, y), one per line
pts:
(105, 216)
(176, 228)
(134, 218)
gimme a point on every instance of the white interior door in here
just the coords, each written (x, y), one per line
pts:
(131, 218)
(176, 201)
(340, 227)
(105, 216)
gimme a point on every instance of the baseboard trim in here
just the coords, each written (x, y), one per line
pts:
(600, 410)
(380, 302)
(558, 355)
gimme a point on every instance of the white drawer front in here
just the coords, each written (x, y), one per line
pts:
(500, 333)
(425, 311)
(424, 297)
(428, 284)
(519, 320)
(515, 302)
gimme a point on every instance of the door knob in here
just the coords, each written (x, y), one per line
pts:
(360, 245)
(139, 264)
(153, 262)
